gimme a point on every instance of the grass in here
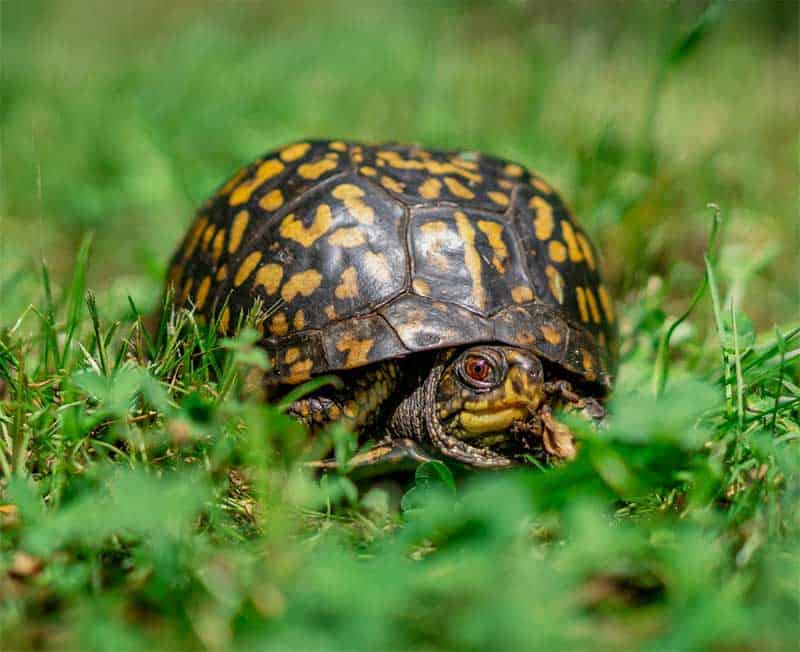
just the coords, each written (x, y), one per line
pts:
(149, 499)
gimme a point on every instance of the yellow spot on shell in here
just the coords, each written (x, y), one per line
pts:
(543, 222)
(458, 189)
(347, 237)
(567, 231)
(586, 248)
(588, 363)
(430, 188)
(368, 170)
(435, 226)
(294, 152)
(357, 350)
(194, 237)
(339, 146)
(222, 273)
(499, 198)
(246, 268)
(230, 183)
(513, 170)
(237, 230)
(505, 184)
(299, 320)
(605, 301)
(434, 167)
(392, 184)
(224, 320)
(269, 277)
(187, 288)
(551, 335)
(216, 247)
(521, 294)
(202, 292)
(352, 195)
(582, 308)
(303, 283)
(317, 169)
(278, 326)
(293, 228)
(272, 201)
(208, 235)
(265, 172)
(300, 371)
(421, 287)
(557, 251)
(348, 288)
(540, 185)
(472, 258)
(556, 283)
(291, 355)
(494, 233)
(592, 305)
(375, 265)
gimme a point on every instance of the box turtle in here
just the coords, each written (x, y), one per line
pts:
(452, 292)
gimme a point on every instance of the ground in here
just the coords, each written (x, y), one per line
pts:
(148, 498)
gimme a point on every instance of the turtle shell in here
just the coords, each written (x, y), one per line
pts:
(359, 253)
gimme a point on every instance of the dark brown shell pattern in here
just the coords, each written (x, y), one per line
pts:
(361, 253)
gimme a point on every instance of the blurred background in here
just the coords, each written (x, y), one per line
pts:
(120, 118)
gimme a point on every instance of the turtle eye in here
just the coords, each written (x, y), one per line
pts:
(480, 371)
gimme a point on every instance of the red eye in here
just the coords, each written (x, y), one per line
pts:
(477, 368)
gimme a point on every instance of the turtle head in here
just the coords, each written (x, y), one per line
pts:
(481, 394)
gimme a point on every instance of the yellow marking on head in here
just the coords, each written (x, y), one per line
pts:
(540, 185)
(586, 248)
(301, 283)
(207, 236)
(216, 247)
(202, 292)
(300, 371)
(279, 326)
(556, 283)
(376, 266)
(272, 201)
(430, 188)
(194, 237)
(338, 145)
(293, 228)
(237, 230)
(421, 287)
(348, 288)
(330, 312)
(472, 258)
(521, 294)
(246, 268)
(543, 222)
(458, 189)
(605, 301)
(551, 334)
(222, 273)
(230, 183)
(347, 237)
(299, 320)
(392, 184)
(291, 355)
(513, 170)
(317, 169)
(592, 305)
(568, 232)
(352, 197)
(494, 233)
(481, 422)
(557, 251)
(187, 288)
(269, 277)
(582, 304)
(294, 152)
(357, 350)
(265, 171)
(368, 170)
(499, 198)
(224, 320)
